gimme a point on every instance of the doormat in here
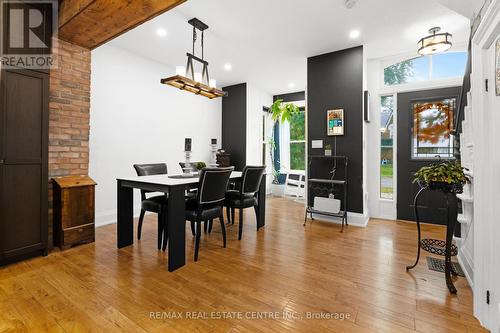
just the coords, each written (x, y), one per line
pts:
(437, 265)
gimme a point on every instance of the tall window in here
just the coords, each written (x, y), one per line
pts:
(431, 67)
(297, 141)
(387, 147)
(432, 129)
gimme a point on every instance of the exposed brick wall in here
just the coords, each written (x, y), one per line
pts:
(69, 115)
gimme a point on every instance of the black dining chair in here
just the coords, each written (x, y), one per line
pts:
(156, 204)
(245, 196)
(209, 201)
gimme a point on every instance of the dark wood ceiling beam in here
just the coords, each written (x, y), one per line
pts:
(91, 23)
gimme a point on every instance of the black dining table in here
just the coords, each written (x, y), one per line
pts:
(174, 187)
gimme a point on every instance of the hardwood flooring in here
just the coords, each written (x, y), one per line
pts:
(284, 274)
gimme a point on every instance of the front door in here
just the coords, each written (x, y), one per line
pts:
(425, 120)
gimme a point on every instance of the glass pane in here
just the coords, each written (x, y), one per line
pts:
(413, 70)
(432, 127)
(297, 127)
(298, 156)
(446, 65)
(386, 147)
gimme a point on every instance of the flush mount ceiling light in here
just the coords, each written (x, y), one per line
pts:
(435, 42)
(186, 78)
(228, 66)
(161, 32)
(354, 34)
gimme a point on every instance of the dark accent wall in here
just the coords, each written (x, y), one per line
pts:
(234, 124)
(335, 81)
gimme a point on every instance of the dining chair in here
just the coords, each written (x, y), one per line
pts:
(156, 204)
(208, 204)
(245, 196)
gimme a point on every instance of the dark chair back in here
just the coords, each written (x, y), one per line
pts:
(252, 176)
(149, 170)
(213, 185)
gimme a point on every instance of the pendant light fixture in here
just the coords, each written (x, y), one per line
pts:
(189, 80)
(434, 43)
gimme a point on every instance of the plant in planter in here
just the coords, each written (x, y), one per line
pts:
(200, 165)
(447, 176)
(328, 150)
(280, 113)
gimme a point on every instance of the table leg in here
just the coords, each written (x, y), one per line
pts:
(415, 207)
(125, 216)
(450, 230)
(176, 226)
(261, 221)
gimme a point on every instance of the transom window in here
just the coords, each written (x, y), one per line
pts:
(431, 67)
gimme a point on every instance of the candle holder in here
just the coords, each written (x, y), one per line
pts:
(188, 169)
(213, 162)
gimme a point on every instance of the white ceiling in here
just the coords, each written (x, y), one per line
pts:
(268, 41)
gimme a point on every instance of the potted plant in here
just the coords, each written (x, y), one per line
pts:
(328, 150)
(200, 165)
(446, 176)
(280, 113)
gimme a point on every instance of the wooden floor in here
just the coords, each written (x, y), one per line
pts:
(285, 273)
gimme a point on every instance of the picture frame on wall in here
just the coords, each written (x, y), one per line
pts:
(497, 67)
(335, 122)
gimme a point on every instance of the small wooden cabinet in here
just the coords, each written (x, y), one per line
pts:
(74, 211)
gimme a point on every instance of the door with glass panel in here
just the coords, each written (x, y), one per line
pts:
(425, 135)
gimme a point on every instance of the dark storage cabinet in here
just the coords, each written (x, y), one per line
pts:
(74, 212)
(24, 100)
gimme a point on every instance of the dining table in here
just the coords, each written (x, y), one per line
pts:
(174, 187)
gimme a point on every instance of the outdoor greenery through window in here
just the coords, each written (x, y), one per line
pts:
(386, 147)
(298, 141)
(431, 67)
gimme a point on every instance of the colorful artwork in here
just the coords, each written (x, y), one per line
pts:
(335, 122)
(497, 74)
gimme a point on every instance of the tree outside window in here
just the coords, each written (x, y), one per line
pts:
(297, 141)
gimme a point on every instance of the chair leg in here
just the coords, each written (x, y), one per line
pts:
(205, 226)
(256, 208)
(139, 226)
(192, 228)
(228, 214)
(210, 225)
(197, 243)
(160, 230)
(240, 226)
(165, 235)
(223, 228)
(232, 215)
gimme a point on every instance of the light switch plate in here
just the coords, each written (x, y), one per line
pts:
(317, 144)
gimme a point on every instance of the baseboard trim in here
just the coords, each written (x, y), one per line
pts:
(354, 219)
(109, 217)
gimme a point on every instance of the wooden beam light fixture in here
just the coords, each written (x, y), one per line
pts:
(186, 79)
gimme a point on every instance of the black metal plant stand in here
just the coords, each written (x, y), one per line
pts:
(323, 186)
(436, 246)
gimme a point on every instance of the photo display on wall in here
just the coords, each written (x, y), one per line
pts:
(335, 122)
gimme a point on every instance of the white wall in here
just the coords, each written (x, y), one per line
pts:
(135, 119)
(256, 99)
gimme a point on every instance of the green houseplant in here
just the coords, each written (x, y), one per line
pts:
(280, 113)
(448, 176)
(200, 165)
